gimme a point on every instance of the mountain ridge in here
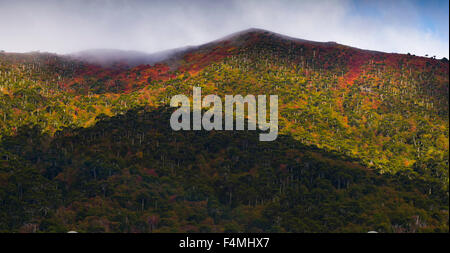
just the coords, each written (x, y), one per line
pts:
(363, 142)
(108, 57)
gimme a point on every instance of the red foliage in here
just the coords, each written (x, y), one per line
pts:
(195, 61)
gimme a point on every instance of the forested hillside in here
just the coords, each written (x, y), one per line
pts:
(363, 142)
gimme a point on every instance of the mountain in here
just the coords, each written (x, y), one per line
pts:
(363, 140)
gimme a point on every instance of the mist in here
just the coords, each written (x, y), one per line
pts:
(67, 27)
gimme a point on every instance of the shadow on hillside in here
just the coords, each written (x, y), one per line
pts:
(149, 178)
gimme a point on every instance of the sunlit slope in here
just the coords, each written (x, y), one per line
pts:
(389, 110)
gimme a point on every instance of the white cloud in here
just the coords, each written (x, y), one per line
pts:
(68, 26)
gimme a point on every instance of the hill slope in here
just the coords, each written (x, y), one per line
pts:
(386, 114)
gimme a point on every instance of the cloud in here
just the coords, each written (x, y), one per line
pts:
(150, 26)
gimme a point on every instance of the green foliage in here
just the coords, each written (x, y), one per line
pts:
(363, 143)
(132, 173)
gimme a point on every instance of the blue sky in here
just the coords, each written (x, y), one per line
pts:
(428, 15)
(404, 26)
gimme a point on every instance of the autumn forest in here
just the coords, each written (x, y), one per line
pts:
(363, 142)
